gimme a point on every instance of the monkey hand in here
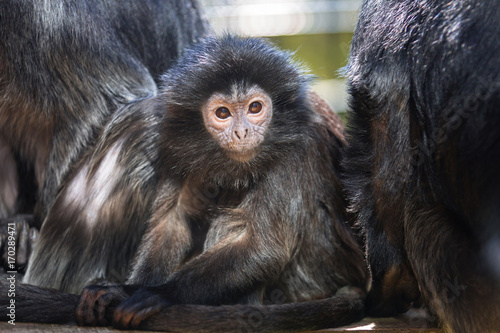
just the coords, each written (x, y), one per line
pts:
(17, 232)
(96, 304)
(144, 303)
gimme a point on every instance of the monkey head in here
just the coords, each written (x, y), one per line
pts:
(240, 104)
(239, 121)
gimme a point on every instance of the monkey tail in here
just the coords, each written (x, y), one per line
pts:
(43, 305)
(28, 303)
(339, 310)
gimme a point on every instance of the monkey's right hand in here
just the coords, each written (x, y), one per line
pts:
(97, 303)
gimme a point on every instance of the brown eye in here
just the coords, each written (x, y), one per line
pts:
(222, 113)
(255, 107)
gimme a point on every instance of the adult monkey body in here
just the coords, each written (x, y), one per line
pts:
(65, 66)
(424, 156)
(234, 116)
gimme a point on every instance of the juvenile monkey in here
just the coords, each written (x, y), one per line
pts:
(233, 170)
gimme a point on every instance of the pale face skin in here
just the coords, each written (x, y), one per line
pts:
(238, 122)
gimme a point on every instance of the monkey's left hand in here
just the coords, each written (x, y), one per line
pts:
(144, 303)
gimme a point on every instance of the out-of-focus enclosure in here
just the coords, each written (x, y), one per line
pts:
(318, 31)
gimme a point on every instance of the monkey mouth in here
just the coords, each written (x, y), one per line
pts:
(241, 155)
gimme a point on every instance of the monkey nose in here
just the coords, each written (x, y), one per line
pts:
(241, 134)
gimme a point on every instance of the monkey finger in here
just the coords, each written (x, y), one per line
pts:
(122, 317)
(92, 306)
(102, 304)
(143, 314)
(131, 317)
(142, 304)
(84, 312)
(23, 247)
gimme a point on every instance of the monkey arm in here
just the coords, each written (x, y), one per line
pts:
(257, 242)
(166, 243)
(229, 271)
(233, 268)
(245, 247)
(225, 274)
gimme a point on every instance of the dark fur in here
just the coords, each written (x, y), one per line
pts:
(64, 67)
(36, 304)
(273, 229)
(89, 236)
(424, 155)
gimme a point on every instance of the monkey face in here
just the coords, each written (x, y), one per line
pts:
(239, 121)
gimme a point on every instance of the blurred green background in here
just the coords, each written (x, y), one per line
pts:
(319, 32)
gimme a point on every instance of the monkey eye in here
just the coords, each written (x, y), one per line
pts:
(222, 113)
(255, 107)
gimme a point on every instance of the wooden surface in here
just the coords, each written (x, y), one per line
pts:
(366, 325)
(387, 325)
